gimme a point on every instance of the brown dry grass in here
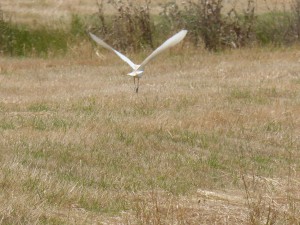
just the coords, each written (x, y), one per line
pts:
(210, 139)
(47, 11)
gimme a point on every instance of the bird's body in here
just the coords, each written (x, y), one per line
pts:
(139, 69)
(136, 72)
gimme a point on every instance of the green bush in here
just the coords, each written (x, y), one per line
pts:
(17, 40)
(206, 20)
(20, 40)
(274, 28)
(131, 27)
(77, 26)
(207, 23)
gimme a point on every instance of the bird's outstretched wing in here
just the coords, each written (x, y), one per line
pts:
(103, 44)
(167, 44)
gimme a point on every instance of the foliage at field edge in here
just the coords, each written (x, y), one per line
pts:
(209, 25)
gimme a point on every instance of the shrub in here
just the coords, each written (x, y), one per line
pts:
(274, 28)
(77, 27)
(279, 27)
(132, 22)
(206, 22)
(132, 28)
(19, 40)
(295, 8)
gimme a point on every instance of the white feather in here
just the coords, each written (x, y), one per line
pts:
(139, 69)
(103, 44)
(167, 44)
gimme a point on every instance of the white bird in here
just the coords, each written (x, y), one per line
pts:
(139, 69)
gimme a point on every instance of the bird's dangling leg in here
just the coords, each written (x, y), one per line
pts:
(134, 83)
(137, 86)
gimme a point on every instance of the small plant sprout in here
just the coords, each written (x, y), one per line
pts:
(139, 69)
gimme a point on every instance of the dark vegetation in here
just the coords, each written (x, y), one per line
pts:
(209, 25)
(20, 40)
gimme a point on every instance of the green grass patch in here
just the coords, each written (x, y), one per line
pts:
(21, 40)
(38, 107)
(247, 96)
(86, 105)
(273, 126)
(6, 124)
(274, 28)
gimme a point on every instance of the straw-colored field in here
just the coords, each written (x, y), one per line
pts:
(47, 11)
(210, 139)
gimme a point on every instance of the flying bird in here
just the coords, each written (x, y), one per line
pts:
(139, 69)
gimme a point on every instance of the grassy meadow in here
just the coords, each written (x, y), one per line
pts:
(211, 137)
(47, 11)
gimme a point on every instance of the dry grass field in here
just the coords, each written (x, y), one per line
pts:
(47, 11)
(212, 138)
